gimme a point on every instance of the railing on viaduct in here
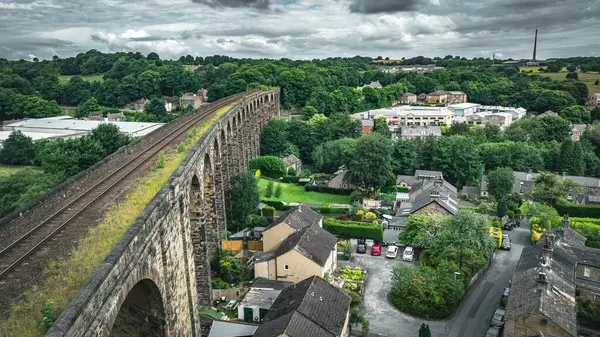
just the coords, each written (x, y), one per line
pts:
(158, 276)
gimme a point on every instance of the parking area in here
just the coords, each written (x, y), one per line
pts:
(474, 312)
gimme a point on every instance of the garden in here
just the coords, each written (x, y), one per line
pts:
(295, 193)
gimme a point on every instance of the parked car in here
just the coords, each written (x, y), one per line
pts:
(504, 298)
(361, 248)
(508, 226)
(376, 249)
(409, 254)
(498, 318)
(505, 242)
(392, 252)
(492, 332)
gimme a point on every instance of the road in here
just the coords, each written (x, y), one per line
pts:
(474, 312)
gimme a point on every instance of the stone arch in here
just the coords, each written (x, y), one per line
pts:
(142, 313)
(199, 238)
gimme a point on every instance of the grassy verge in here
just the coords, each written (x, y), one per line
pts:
(64, 277)
(62, 79)
(295, 193)
(6, 170)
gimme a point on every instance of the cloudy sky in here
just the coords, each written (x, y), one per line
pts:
(300, 29)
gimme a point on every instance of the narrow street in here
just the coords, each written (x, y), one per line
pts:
(474, 312)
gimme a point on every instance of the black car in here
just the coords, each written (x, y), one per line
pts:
(361, 248)
(508, 226)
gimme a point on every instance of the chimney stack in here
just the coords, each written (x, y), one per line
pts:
(565, 222)
(535, 45)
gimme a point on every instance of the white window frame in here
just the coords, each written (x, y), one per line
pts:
(286, 267)
(587, 272)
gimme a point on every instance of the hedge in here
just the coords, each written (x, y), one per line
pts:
(291, 179)
(269, 211)
(269, 166)
(328, 210)
(574, 210)
(354, 230)
(278, 205)
(389, 189)
(329, 190)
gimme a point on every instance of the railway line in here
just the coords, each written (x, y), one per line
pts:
(40, 235)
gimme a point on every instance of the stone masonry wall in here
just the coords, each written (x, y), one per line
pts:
(173, 240)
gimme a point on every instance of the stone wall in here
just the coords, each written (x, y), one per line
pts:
(171, 243)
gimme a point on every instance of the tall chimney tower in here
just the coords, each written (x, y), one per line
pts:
(535, 45)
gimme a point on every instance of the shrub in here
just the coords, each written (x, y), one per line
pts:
(291, 171)
(390, 189)
(257, 174)
(278, 205)
(49, 315)
(588, 311)
(351, 286)
(353, 229)
(269, 166)
(269, 211)
(220, 284)
(584, 211)
(269, 189)
(277, 192)
(356, 197)
(356, 299)
(257, 221)
(327, 210)
(290, 179)
(370, 215)
(329, 190)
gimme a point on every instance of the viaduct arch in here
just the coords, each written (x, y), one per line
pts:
(156, 278)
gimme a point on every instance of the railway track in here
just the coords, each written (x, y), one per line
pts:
(18, 251)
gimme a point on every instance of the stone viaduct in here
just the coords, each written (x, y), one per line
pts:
(158, 276)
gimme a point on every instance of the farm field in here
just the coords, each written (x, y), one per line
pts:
(62, 79)
(587, 78)
(295, 193)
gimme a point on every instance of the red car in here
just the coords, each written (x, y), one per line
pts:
(376, 249)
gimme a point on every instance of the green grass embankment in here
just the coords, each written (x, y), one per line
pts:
(295, 193)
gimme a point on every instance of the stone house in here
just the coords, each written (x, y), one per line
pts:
(189, 98)
(95, 116)
(408, 98)
(141, 104)
(547, 113)
(296, 247)
(293, 161)
(408, 181)
(118, 117)
(338, 180)
(312, 307)
(549, 277)
(437, 97)
(456, 97)
(577, 131)
(430, 196)
(594, 99)
(422, 98)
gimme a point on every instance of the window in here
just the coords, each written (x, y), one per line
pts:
(587, 272)
(286, 267)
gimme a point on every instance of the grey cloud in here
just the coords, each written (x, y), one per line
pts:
(383, 6)
(268, 32)
(258, 4)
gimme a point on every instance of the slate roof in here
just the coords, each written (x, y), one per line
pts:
(579, 127)
(471, 190)
(310, 308)
(290, 160)
(231, 329)
(423, 195)
(263, 283)
(298, 218)
(313, 242)
(410, 180)
(428, 173)
(189, 97)
(408, 94)
(437, 93)
(456, 92)
(547, 113)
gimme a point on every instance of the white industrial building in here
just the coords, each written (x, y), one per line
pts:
(402, 115)
(69, 127)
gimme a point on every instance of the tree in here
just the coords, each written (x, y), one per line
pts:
(553, 100)
(500, 183)
(109, 137)
(309, 111)
(278, 191)
(328, 157)
(571, 159)
(371, 162)
(156, 107)
(572, 76)
(458, 158)
(380, 125)
(17, 149)
(269, 189)
(468, 229)
(88, 106)
(405, 157)
(269, 166)
(244, 198)
(576, 114)
(274, 138)
(493, 133)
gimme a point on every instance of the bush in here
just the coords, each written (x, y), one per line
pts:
(278, 205)
(290, 179)
(277, 192)
(257, 221)
(356, 299)
(589, 312)
(291, 171)
(269, 189)
(356, 197)
(353, 229)
(268, 211)
(327, 210)
(269, 166)
(329, 190)
(220, 284)
(584, 211)
(390, 189)
(49, 315)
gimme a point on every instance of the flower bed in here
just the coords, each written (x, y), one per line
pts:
(348, 273)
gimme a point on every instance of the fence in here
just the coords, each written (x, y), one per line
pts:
(236, 246)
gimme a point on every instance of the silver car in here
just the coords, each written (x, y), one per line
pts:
(498, 318)
(392, 252)
(492, 332)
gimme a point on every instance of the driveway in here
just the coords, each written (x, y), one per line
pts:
(475, 310)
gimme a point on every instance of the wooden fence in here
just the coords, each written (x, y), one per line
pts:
(236, 246)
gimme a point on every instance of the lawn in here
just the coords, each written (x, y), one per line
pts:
(533, 69)
(587, 78)
(295, 193)
(6, 170)
(62, 79)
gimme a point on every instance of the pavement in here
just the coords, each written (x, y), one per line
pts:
(474, 312)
